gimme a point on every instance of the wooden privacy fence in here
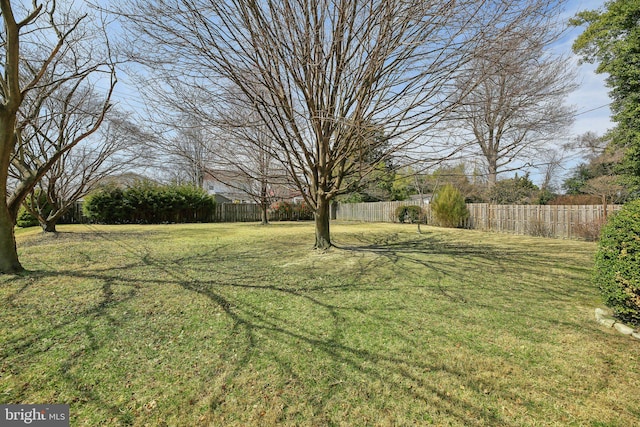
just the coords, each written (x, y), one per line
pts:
(236, 212)
(222, 212)
(563, 221)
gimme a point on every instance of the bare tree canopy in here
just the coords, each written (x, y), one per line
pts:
(516, 104)
(48, 51)
(115, 149)
(323, 75)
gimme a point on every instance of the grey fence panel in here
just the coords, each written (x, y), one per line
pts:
(563, 221)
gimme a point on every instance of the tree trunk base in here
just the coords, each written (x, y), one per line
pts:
(322, 246)
(9, 263)
(322, 220)
(48, 228)
(11, 267)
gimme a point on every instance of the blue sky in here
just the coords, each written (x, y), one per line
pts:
(591, 98)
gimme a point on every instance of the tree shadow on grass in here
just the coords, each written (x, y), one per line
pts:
(462, 262)
(75, 327)
(399, 374)
(254, 321)
(254, 326)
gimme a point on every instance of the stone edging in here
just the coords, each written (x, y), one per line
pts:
(604, 318)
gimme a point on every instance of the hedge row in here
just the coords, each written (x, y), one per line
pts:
(149, 203)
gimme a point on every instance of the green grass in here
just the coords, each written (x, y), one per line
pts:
(238, 324)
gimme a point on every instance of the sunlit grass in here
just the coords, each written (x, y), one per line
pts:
(239, 324)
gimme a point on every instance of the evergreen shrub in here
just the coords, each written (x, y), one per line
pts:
(617, 268)
(149, 203)
(448, 207)
(412, 214)
(26, 219)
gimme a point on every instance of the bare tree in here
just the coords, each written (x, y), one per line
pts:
(516, 106)
(589, 145)
(44, 49)
(198, 139)
(550, 161)
(189, 151)
(320, 73)
(607, 187)
(250, 154)
(597, 176)
(77, 172)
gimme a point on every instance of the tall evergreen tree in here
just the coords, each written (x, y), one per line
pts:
(612, 40)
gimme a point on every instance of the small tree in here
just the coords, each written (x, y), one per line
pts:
(77, 172)
(448, 207)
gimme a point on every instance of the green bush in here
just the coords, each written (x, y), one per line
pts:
(149, 203)
(617, 269)
(412, 214)
(448, 207)
(107, 206)
(26, 219)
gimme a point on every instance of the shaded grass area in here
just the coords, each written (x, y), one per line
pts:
(237, 324)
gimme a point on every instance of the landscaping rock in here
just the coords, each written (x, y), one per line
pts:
(623, 329)
(603, 317)
(636, 335)
(602, 313)
(606, 322)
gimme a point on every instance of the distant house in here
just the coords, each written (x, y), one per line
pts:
(426, 198)
(228, 186)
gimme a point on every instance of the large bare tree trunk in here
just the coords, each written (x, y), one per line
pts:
(492, 177)
(11, 99)
(8, 253)
(322, 217)
(49, 225)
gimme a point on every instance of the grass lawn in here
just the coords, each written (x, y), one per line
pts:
(239, 324)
